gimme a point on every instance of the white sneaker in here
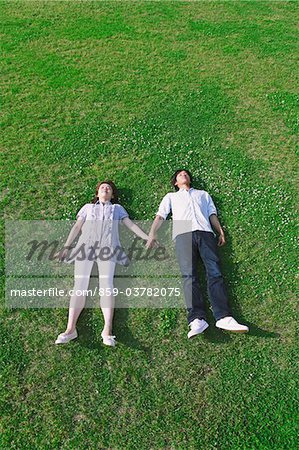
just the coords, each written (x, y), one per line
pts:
(197, 326)
(230, 324)
(109, 340)
(65, 338)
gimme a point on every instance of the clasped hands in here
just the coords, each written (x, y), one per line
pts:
(152, 242)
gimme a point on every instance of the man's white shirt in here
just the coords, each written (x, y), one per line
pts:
(190, 209)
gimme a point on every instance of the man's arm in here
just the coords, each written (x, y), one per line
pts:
(218, 228)
(153, 231)
(163, 211)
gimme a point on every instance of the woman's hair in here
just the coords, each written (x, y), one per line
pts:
(114, 198)
(173, 178)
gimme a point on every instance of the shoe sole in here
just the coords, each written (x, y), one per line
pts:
(63, 343)
(234, 331)
(201, 330)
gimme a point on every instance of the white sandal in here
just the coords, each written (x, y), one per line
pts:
(65, 338)
(109, 340)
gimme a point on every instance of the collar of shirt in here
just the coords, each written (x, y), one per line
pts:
(107, 202)
(184, 189)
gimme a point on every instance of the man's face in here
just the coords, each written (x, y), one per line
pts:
(182, 178)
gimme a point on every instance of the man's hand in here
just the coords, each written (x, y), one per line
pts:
(218, 228)
(221, 240)
(151, 242)
(152, 237)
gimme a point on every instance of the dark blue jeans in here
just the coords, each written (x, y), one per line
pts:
(189, 247)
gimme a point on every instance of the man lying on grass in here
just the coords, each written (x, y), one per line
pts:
(194, 218)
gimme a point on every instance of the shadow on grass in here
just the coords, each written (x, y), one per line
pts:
(231, 270)
(91, 339)
(124, 334)
(125, 199)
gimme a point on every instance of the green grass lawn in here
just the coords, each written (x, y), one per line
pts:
(132, 91)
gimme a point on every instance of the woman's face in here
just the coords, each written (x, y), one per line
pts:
(105, 192)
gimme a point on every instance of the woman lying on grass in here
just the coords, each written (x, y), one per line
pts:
(98, 222)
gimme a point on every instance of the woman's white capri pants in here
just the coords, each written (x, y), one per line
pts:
(83, 270)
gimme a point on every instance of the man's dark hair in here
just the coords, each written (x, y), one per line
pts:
(173, 178)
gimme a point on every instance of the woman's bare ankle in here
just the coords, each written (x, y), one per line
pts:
(106, 332)
(69, 330)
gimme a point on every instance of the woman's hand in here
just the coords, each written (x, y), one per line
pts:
(152, 242)
(61, 255)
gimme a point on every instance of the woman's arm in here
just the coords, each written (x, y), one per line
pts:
(135, 228)
(74, 232)
(72, 235)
